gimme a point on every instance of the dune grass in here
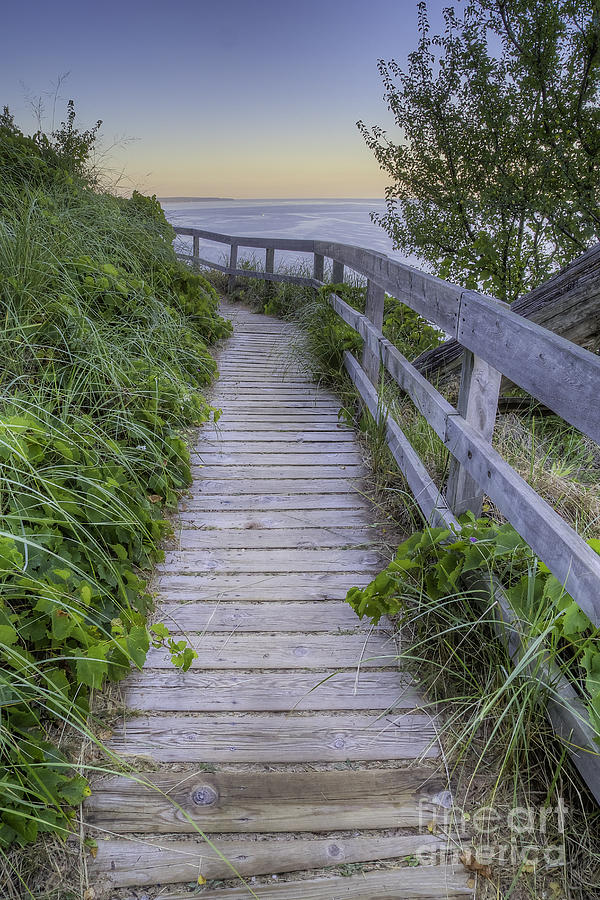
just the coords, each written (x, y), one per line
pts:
(104, 348)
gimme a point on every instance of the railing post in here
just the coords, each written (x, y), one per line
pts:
(478, 404)
(319, 267)
(270, 260)
(196, 250)
(337, 274)
(232, 265)
(374, 313)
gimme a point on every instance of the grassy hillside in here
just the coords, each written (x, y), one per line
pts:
(104, 362)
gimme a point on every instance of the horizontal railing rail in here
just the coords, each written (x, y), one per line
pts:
(496, 341)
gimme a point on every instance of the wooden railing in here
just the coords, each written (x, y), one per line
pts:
(495, 342)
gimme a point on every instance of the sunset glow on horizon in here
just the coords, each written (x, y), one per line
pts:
(240, 100)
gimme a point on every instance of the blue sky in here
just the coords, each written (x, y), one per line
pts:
(239, 99)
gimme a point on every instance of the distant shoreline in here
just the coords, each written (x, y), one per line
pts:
(190, 199)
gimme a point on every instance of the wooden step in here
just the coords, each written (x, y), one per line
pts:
(292, 456)
(276, 471)
(129, 863)
(318, 801)
(288, 486)
(208, 502)
(206, 691)
(403, 883)
(270, 561)
(300, 519)
(273, 538)
(285, 651)
(309, 616)
(276, 442)
(306, 586)
(275, 738)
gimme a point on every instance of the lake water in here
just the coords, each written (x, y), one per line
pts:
(345, 221)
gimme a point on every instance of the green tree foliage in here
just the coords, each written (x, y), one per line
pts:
(496, 179)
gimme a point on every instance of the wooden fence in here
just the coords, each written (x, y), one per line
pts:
(496, 341)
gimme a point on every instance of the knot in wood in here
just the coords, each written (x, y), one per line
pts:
(205, 796)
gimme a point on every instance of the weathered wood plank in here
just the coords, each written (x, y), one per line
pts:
(298, 537)
(296, 586)
(404, 883)
(436, 300)
(276, 471)
(295, 456)
(225, 616)
(371, 361)
(129, 863)
(272, 406)
(270, 561)
(478, 405)
(272, 442)
(288, 486)
(349, 500)
(432, 504)
(282, 431)
(242, 802)
(286, 651)
(559, 373)
(207, 691)
(298, 519)
(275, 738)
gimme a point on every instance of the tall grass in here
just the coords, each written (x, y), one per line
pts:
(104, 349)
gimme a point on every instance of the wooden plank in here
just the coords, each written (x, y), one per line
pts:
(404, 883)
(260, 587)
(434, 299)
(567, 304)
(232, 265)
(303, 431)
(270, 561)
(270, 259)
(371, 361)
(427, 400)
(130, 863)
(276, 472)
(207, 691)
(319, 267)
(432, 504)
(301, 246)
(293, 616)
(294, 457)
(337, 272)
(275, 738)
(565, 553)
(286, 651)
(478, 405)
(287, 486)
(242, 405)
(247, 521)
(348, 500)
(271, 392)
(250, 802)
(238, 442)
(274, 538)
(559, 373)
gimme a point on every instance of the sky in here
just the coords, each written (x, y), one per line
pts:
(229, 98)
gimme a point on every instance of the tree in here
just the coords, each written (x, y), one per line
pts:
(496, 180)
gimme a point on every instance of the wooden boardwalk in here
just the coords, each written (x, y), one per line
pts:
(293, 742)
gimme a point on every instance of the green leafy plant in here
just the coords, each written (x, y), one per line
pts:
(105, 358)
(435, 561)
